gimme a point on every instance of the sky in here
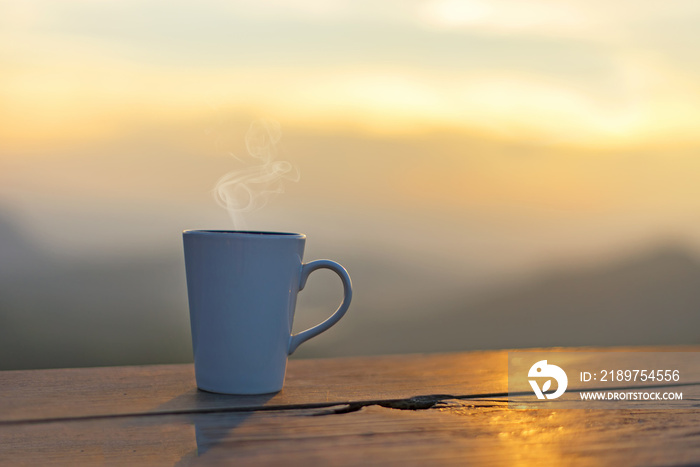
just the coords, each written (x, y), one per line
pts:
(564, 122)
(443, 151)
(568, 72)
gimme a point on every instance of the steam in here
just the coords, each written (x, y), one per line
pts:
(250, 188)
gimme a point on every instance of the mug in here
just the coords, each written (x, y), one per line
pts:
(242, 289)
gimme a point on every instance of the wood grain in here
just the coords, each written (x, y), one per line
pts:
(91, 392)
(43, 394)
(331, 412)
(452, 433)
(463, 434)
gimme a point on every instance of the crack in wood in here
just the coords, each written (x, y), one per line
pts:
(411, 403)
(422, 402)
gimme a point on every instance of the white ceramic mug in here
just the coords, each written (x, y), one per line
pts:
(242, 289)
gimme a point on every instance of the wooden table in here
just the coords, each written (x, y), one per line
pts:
(390, 410)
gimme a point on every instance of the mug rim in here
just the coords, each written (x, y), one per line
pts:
(247, 233)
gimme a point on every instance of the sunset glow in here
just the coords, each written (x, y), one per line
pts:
(493, 170)
(561, 72)
(559, 110)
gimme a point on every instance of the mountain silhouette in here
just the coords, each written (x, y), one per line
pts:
(652, 298)
(77, 312)
(58, 312)
(18, 254)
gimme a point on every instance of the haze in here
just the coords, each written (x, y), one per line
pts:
(451, 153)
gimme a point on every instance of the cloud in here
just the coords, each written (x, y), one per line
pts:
(541, 16)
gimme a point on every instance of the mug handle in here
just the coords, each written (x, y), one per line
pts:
(306, 269)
